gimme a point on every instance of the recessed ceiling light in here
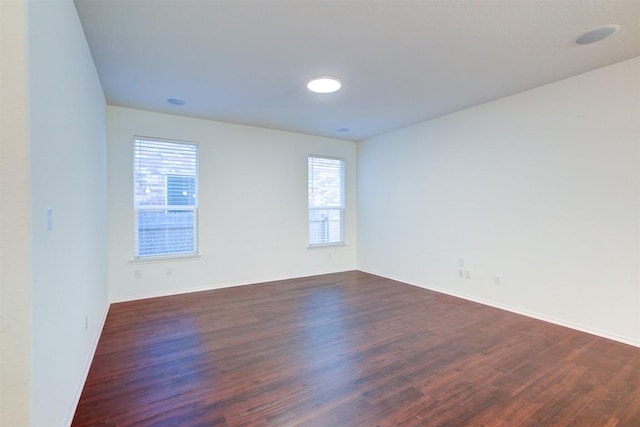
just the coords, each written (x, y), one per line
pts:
(176, 101)
(597, 34)
(324, 85)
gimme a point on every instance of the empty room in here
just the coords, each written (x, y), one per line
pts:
(319, 213)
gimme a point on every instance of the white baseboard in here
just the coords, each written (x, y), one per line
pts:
(218, 286)
(85, 374)
(511, 309)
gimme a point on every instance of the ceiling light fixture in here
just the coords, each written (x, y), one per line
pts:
(176, 101)
(324, 85)
(597, 34)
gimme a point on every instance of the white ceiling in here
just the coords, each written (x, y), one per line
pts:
(401, 62)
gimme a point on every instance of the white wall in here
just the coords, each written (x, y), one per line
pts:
(253, 206)
(542, 188)
(68, 174)
(15, 248)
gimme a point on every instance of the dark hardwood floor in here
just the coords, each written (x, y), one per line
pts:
(350, 349)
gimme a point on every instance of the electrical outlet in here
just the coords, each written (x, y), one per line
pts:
(86, 323)
(467, 274)
(137, 274)
(49, 219)
(497, 279)
(461, 273)
(169, 271)
(461, 262)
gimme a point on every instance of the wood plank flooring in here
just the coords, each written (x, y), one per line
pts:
(350, 349)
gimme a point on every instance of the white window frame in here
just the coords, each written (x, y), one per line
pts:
(341, 209)
(166, 207)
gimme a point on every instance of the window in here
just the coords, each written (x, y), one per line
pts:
(165, 188)
(326, 200)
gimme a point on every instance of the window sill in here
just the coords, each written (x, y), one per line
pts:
(165, 258)
(326, 245)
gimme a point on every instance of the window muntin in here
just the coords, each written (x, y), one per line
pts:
(165, 197)
(326, 200)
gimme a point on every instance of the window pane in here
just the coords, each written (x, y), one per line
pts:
(156, 162)
(325, 226)
(165, 197)
(166, 232)
(326, 200)
(325, 182)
